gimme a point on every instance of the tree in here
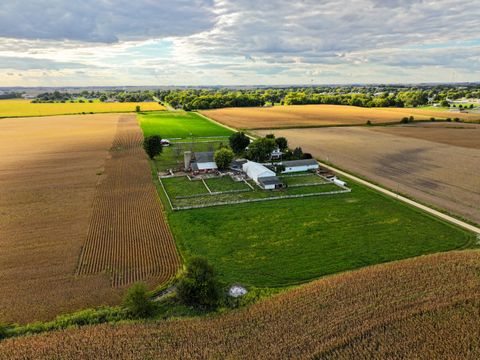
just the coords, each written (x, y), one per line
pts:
(444, 103)
(238, 142)
(282, 143)
(223, 158)
(298, 153)
(153, 145)
(199, 286)
(137, 108)
(261, 149)
(137, 302)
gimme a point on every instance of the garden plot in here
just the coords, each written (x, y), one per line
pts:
(184, 193)
(305, 179)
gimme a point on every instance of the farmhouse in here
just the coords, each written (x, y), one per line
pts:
(263, 177)
(299, 165)
(199, 161)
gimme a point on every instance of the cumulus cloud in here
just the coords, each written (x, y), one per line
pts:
(245, 41)
(103, 20)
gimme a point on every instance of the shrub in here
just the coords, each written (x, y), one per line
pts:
(411, 119)
(456, 119)
(3, 331)
(307, 156)
(152, 145)
(137, 302)
(223, 158)
(449, 119)
(199, 286)
(369, 122)
(137, 108)
(404, 120)
(432, 119)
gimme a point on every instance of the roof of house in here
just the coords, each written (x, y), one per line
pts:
(204, 157)
(255, 170)
(292, 163)
(269, 180)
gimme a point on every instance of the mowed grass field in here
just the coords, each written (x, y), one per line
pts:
(286, 242)
(436, 163)
(321, 115)
(23, 108)
(180, 125)
(422, 308)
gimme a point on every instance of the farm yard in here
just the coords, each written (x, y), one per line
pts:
(49, 168)
(321, 115)
(24, 108)
(186, 194)
(370, 313)
(290, 241)
(435, 163)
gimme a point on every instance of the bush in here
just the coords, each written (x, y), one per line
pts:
(199, 286)
(3, 331)
(137, 108)
(449, 119)
(137, 302)
(456, 119)
(307, 156)
(432, 119)
(153, 145)
(369, 122)
(223, 158)
(404, 120)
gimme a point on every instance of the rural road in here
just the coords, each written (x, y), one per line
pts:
(425, 208)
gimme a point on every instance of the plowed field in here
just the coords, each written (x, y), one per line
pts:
(128, 237)
(423, 308)
(321, 115)
(436, 164)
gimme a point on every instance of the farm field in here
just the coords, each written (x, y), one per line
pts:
(180, 125)
(19, 108)
(425, 307)
(286, 242)
(435, 164)
(321, 115)
(128, 237)
(49, 168)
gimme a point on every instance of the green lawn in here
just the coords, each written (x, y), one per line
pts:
(226, 183)
(179, 124)
(302, 180)
(285, 242)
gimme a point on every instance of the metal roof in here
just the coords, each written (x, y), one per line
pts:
(204, 157)
(304, 162)
(269, 180)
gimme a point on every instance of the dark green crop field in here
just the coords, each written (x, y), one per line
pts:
(179, 125)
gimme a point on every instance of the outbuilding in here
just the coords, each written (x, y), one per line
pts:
(270, 183)
(200, 161)
(255, 170)
(299, 165)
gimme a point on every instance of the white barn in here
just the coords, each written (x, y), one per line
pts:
(263, 177)
(299, 165)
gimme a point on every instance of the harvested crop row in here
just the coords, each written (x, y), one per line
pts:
(406, 308)
(128, 237)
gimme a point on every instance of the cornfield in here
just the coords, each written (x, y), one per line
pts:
(128, 237)
(426, 307)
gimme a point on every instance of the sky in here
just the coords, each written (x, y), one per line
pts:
(237, 42)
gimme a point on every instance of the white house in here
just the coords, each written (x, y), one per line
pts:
(264, 177)
(299, 165)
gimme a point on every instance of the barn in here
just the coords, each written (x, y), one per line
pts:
(299, 165)
(200, 161)
(263, 177)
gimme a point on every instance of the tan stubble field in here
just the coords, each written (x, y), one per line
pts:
(321, 115)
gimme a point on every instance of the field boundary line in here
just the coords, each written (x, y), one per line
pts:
(206, 186)
(406, 200)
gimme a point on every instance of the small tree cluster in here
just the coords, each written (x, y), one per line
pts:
(261, 149)
(152, 145)
(199, 286)
(137, 301)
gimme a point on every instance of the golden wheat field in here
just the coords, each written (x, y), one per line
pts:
(434, 163)
(425, 308)
(320, 115)
(17, 108)
(53, 177)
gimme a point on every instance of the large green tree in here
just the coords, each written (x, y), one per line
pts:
(223, 158)
(152, 145)
(238, 142)
(199, 286)
(261, 149)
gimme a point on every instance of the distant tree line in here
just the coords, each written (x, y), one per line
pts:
(10, 95)
(103, 96)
